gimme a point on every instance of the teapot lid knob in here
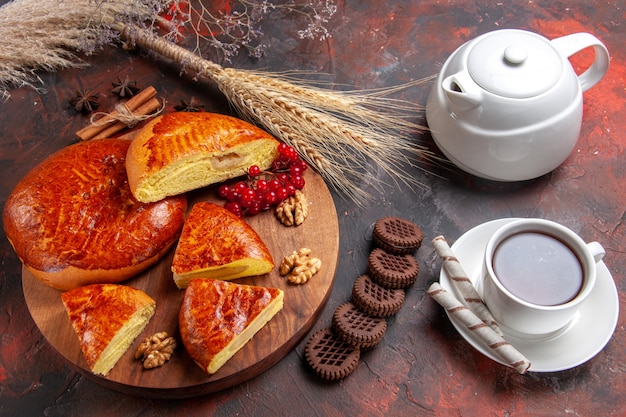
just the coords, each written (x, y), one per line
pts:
(515, 55)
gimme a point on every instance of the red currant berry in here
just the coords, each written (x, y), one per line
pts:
(302, 165)
(240, 186)
(282, 148)
(247, 197)
(254, 170)
(270, 197)
(234, 208)
(223, 191)
(283, 178)
(298, 182)
(258, 195)
(249, 192)
(254, 208)
(261, 185)
(274, 184)
(232, 195)
(282, 193)
(295, 170)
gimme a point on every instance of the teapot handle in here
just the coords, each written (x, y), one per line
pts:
(571, 44)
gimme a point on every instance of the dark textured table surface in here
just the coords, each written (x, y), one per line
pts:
(422, 366)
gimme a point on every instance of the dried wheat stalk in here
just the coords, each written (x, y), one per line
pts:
(338, 132)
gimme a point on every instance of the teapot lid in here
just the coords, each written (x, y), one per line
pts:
(514, 63)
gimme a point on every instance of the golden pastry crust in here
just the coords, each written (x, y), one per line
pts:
(107, 318)
(180, 152)
(73, 221)
(215, 243)
(217, 318)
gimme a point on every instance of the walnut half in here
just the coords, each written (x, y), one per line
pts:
(293, 210)
(155, 350)
(300, 266)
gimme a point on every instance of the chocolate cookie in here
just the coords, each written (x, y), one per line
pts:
(375, 300)
(329, 356)
(392, 271)
(396, 235)
(357, 328)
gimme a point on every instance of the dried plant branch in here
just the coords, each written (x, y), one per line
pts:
(229, 27)
(49, 35)
(340, 133)
(337, 133)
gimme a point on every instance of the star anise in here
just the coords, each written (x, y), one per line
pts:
(125, 87)
(85, 101)
(189, 106)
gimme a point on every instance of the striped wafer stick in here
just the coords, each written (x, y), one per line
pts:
(464, 315)
(457, 275)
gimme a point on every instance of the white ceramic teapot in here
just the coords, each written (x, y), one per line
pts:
(508, 106)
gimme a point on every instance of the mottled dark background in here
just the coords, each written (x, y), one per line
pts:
(422, 366)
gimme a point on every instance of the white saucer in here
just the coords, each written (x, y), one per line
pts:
(579, 341)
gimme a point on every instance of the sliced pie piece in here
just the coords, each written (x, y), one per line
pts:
(217, 318)
(107, 318)
(178, 152)
(215, 243)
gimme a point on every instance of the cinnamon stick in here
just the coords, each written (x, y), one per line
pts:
(457, 275)
(110, 122)
(145, 109)
(474, 324)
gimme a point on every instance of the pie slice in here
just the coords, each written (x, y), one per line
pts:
(217, 318)
(215, 243)
(107, 318)
(181, 151)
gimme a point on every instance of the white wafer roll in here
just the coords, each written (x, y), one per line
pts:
(473, 323)
(457, 275)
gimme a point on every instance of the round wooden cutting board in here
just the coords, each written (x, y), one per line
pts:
(181, 377)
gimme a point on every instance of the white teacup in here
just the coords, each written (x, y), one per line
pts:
(536, 274)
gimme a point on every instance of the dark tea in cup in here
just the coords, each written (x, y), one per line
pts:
(536, 273)
(538, 268)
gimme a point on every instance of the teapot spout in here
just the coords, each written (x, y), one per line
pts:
(462, 92)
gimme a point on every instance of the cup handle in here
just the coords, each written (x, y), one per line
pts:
(597, 251)
(571, 44)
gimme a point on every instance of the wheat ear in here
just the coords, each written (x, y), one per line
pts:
(336, 132)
